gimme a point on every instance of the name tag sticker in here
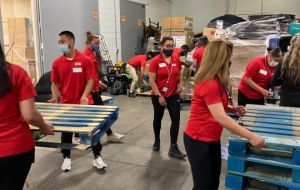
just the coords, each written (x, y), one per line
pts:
(173, 65)
(162, 65)
(165, 89)
(263, 72)
(77, 70)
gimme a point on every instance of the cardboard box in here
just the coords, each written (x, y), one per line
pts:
(212, 34)
(180, 37)
(19, 31)
(177, 23)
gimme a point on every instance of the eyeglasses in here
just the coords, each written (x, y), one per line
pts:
(170, 46)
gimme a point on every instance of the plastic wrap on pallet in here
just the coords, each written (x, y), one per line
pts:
(260, 28)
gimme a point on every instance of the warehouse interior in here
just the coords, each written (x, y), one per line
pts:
(29, 35)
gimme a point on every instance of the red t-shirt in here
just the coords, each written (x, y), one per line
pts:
(201, 125)
(261, 73)
(198, 55)
(91, 55)
(177, 52)
(167, 75)
(72, 76)
(15, 135)
(138, 61)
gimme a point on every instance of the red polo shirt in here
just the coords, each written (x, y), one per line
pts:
(201, 125)
(72, 76)
(177, 52)
(138, 61)
(198, 55)
(167, 75)
(15, 135)
(91, 55)
(261, 73)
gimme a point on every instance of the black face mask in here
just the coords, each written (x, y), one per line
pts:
(183, 53)
(168, 52)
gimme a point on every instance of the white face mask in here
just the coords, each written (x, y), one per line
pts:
(273, 63)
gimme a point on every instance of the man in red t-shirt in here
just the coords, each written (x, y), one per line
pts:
(134, 64)
(72, 80)
(199, 52)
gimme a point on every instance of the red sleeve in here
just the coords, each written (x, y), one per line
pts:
(153, 66)
(89, 70)
(252, 69)
(25, 86)
(211, 92)
(54, 73)
(195, 54)
(143, 63)
(179, 64)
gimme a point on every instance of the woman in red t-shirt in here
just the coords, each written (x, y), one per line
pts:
(17, 109)
(254, 86)
(208, 117)
(165, 80)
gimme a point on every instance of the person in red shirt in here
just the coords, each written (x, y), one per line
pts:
(165, 80)
(91, 51)
(17, 110)
(72, 78)
(182, 51)
(208, 117)
(134, 64)
(199, 52)
(255, 83)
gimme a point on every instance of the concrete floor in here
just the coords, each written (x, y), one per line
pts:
(132, 165)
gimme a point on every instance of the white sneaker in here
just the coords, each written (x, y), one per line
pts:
(115, 137)
(66, 166)
(99, 164)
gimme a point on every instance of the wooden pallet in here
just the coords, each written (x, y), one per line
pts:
(90, 121)
(279, 162)
(107, 99)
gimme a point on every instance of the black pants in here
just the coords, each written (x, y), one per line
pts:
(173, 106)
(205, 161)
(14, 170)
(243, 100)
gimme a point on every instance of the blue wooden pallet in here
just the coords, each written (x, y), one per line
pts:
(237, 182)
(280, 126)
(108, 99)
(90, 121)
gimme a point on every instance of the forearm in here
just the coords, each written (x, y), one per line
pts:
(54, 91)
(253, 85)
(154, 86)
(234, 127)
(37, 120)
(88, 88)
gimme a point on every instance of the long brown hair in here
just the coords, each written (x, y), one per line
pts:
(215, 62)
(291, 62)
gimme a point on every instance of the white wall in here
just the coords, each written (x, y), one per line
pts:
(201, 10)
(246, 7)
(110, 28)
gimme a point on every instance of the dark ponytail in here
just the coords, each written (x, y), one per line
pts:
(5, 83)
(275, 52)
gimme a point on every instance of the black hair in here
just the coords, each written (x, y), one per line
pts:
(275, 52)
(185, 47)
(166, 38)
(5, 82)
(203, 41)
(149, 55)
(68, 34)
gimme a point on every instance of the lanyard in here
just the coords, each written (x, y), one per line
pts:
(169, 73)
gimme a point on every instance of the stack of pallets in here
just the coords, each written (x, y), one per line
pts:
(278, 165)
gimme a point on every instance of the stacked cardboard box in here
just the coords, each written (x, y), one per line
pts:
(180, 28)
(21, 49)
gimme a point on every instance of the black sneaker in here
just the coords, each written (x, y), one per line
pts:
(131, 95)
(156, 145)
(175, 152)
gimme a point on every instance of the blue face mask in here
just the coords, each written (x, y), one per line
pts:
(95, 47)
(64, 48)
